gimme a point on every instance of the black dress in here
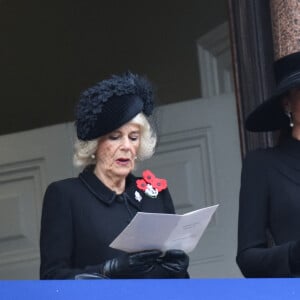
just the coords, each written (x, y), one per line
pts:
(81, 217)
(269, 206)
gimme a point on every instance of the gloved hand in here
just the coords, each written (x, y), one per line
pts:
(175, 262)
(131, 265)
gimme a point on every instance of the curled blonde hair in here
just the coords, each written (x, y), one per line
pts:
(84, 154)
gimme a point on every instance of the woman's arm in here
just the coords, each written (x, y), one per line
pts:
(255, 258)
(56, 237)
(168, 202)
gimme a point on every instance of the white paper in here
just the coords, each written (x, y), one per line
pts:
(148, 231)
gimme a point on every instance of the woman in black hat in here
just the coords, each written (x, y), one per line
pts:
(82, 216)
(269, 222)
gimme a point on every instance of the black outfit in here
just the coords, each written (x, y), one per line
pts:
(81, 217)
(270, 203)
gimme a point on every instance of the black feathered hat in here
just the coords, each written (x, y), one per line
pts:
(270, 114)
(111, 103)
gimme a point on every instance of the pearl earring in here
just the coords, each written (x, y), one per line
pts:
(289, 115)
(93, 156)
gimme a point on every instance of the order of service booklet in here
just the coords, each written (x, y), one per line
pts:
(164, 231)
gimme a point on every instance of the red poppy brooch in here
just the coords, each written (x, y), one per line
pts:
(150, 184)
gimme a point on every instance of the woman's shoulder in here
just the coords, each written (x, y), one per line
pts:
(64, 183)
(260, 155)
(260, 160)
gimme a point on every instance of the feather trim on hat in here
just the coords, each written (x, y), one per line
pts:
(92, 100)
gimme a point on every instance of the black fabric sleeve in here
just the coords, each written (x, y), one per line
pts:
(254, 257)
(168, 202)
(56, 236)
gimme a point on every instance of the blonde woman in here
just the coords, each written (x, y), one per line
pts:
(82, 216)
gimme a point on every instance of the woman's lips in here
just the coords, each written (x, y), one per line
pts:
(123, 161)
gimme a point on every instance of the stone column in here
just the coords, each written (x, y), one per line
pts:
(285, 16)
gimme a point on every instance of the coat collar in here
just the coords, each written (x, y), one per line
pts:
(106, 195)
(291, 147)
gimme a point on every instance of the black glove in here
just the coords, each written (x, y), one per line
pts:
(175, 262)
(131, 265)
(295, 257)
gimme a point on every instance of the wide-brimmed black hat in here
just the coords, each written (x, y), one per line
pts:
(270, 115)
(111, 103)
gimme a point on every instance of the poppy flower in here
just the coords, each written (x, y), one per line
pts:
(149, 178)
(159, 184)
(141, 184)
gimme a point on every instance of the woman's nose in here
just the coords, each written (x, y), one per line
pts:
(126, 143)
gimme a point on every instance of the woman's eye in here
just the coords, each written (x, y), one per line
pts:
(113, 137)
(134, 138)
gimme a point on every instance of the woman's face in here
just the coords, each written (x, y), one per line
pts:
(116, 152)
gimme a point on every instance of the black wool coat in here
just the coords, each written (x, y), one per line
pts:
(269, 207)
(81, 217)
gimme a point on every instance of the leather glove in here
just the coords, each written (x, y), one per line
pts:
(131, 265)
(175, 262)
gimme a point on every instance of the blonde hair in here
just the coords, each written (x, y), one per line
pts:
(84, 154)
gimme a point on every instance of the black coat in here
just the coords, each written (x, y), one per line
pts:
(269, 203)
(81, 217)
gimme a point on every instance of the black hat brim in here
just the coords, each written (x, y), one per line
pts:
(270, 115)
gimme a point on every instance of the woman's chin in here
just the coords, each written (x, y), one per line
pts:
(123, 170)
